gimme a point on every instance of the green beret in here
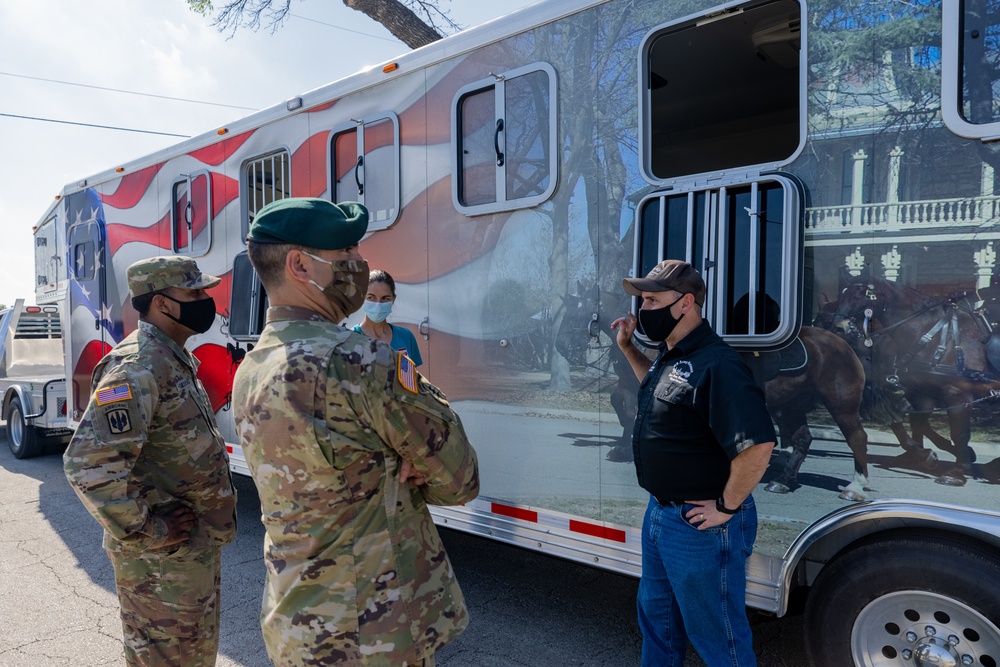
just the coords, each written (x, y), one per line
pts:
(310, 222)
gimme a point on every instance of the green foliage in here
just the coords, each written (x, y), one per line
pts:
(202, 7)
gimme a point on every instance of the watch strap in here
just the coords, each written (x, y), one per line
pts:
(720, 505)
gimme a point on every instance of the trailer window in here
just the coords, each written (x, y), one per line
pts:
(191, 214)
(365, 167)
(247, 301)
(723, 91)
(264, 179)
(504, 134)
(84, 266)
(746, 241)
(970, 95)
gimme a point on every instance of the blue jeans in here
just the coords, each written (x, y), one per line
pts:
(693, 588)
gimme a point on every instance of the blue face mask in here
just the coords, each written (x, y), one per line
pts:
(377, 312)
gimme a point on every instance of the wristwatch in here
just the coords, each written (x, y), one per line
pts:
(720, 505)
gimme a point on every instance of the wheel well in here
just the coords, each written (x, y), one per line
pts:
(973, 534)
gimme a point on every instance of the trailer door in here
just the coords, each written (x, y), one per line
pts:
(87, 339)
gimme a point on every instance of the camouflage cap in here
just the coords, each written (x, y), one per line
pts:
(670, 274)
(157, 273)
(310, 222)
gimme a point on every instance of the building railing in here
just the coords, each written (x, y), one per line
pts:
(965, 213)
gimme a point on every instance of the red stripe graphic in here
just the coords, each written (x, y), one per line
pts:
(595, 530)
(132, 187)
(514, 512)
(218, 153)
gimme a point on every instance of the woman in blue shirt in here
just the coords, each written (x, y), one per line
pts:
(378, 304)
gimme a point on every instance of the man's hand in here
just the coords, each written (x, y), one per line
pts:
(704, 515)
(180, 523)
(625, 326)
(407, 473)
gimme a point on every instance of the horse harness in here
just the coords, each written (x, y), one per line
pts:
(945, 329)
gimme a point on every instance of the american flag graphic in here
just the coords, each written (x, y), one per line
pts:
(407, 373)
(120, 392)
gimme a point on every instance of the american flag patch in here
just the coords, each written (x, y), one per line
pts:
(120, 392)
(407, 373)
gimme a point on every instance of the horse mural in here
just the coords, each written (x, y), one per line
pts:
(935, 351)
(832, 377)
(583, 322)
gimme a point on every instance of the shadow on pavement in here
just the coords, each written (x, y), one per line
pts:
(242, 567)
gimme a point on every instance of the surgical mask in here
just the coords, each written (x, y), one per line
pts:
(198, 316)
(658, 324)
(376, 311)
(346, 292)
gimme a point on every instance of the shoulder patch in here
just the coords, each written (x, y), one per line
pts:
(407, 373)
(119, 421)
(119, 392)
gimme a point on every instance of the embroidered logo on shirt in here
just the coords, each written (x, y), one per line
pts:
(407, 373)
(681, 371)
(119, 421)
(120, 392)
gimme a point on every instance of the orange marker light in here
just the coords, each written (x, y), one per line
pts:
(222, 130)
(390, 67)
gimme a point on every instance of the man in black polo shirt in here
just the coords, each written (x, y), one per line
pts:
(702, 440)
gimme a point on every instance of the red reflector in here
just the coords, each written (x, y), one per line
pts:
(514, 512)
(597, 531)
(229, 449)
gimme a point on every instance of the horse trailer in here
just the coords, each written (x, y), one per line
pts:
(830, 168)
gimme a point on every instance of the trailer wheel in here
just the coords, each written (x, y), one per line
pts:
(920, 599)
(21, 438)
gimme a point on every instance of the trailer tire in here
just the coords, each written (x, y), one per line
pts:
(891, 600)
(22, 438)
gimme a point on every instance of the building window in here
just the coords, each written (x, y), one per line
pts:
(746, 241)
(504, 136)
(364, 167)
(970, 76)
(191, 214)
(723, 92)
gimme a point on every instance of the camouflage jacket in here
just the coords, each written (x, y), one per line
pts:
(148, 444)
(356, 572)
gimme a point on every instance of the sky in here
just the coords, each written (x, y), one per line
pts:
(163, 50)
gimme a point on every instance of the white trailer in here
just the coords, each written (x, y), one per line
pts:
(831, 170)
(33, 378)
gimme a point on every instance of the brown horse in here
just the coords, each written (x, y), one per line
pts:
(833, 377)
(934, 350)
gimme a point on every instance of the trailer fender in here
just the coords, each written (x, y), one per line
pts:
(839, 531)
(27, 404)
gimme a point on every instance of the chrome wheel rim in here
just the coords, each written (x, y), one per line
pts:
(919, 629)
(15, 428)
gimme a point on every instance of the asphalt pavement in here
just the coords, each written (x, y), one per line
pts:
(58, 606)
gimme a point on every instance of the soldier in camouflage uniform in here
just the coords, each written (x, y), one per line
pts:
(347, 444)
(149, 464)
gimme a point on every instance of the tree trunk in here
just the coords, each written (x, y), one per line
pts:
(397, 19)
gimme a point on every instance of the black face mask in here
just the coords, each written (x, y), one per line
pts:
(657, 324)
(198, 316)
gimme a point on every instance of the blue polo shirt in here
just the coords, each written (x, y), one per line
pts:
(403, 341)
(698, 408)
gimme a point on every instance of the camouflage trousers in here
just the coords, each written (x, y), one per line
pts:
(169, 606)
